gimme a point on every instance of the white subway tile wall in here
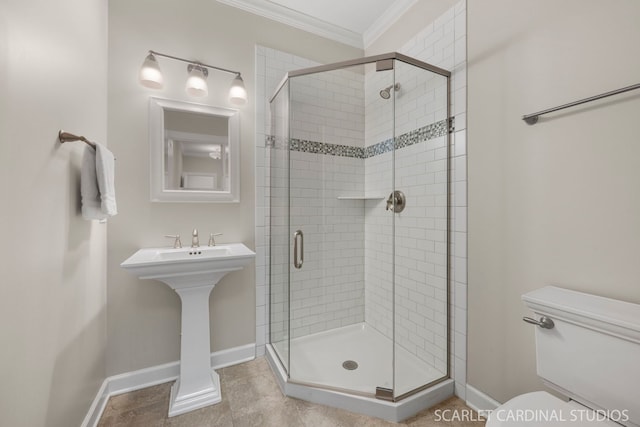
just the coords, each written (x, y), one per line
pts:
(444, 45)
(349, 261)
(328, 292)
(418, 234)
(276, 303)
(328, 107)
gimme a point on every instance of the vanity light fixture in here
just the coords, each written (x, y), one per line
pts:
(151, 77)
(237, 93)
(197, 80)
(150, 74)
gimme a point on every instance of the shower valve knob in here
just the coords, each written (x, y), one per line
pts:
(396, 202)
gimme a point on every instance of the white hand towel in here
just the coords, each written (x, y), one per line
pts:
(89, 187)
(97, 187)
(105, 172)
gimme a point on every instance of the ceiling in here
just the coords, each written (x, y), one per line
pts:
(354, 22)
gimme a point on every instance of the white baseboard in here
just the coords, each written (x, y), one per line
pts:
(97, 406)
(147, 377)
(480, 402)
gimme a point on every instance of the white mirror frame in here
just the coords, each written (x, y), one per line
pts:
(159, 192)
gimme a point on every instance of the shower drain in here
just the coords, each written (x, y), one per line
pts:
(350, 365)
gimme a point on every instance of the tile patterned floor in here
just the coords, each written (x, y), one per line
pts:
(251, 397)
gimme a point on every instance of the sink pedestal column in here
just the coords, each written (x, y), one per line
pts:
(198, 385)
(192, 273)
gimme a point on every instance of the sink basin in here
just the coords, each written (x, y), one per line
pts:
(215, 252)
(192, 273)
(186, 266)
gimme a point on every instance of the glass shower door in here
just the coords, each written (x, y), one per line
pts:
(278, 170)
(333, 206)
(421, 229)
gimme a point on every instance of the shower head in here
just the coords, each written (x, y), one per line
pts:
(386, 92)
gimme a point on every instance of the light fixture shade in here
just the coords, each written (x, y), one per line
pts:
(237, 93)
(197, 81)
(150, 74)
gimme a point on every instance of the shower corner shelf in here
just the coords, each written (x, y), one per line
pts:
(361, 197)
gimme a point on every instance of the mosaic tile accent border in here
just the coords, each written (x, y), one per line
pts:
(422, 134)
(325, 148)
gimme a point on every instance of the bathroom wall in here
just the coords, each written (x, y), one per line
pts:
(421, 14)
(144, 316)
(555, 203)
(53, 75)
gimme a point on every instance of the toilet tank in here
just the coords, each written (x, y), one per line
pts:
(592, 354)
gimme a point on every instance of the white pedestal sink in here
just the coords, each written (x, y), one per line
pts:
(192, 273)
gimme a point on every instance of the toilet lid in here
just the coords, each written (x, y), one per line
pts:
(544, 410)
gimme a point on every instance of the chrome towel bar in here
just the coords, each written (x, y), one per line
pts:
(69, 137)
(532, 119)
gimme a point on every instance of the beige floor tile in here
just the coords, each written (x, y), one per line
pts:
(279, 414)
(216, 415)
(314, 415)
(258, 393)
(259, 366)
(457, 415)
(139, 398)
(148, 416)
(251, 397)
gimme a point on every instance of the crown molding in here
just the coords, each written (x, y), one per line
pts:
(298, 20)
(386, 20)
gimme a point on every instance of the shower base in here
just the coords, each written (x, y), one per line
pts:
(318, 375)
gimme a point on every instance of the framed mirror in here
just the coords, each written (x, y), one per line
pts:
(194, 152)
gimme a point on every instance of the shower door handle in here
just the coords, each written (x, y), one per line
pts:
(297, 262)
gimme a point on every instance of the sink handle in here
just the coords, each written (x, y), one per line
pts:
(177, 244)
(212, 240)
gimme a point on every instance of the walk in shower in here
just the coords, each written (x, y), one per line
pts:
(358, 166)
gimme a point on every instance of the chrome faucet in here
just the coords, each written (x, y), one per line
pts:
(212, 238)
(195, 242)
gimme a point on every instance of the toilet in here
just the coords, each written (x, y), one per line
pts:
(588, 350)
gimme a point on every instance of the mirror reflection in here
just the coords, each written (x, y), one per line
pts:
(196, 151)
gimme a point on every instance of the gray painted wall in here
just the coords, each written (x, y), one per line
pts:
(144, 316)
(53, 75)
(555, 203)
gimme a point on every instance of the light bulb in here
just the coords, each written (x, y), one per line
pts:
(150, 74)
(197, 81)
(237, 93)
